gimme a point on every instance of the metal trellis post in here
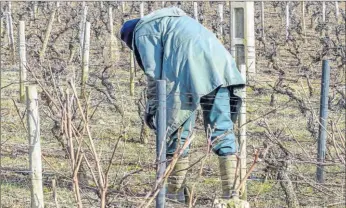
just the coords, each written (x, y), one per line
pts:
(161, 139)
(322, 136)
(242, 133)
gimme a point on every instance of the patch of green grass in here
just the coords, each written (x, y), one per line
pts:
(210, 181)
(261, 187)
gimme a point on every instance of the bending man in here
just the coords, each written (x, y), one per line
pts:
(198, 69)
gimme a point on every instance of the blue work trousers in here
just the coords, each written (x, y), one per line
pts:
(216, 108)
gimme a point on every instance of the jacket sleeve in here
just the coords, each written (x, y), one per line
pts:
(151, 96)
(151, 54)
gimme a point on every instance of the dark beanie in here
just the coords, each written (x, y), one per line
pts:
(126, 32)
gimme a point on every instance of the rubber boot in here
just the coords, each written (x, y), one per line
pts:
(176, 179)
(227, 172)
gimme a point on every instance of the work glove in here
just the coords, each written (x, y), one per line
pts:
(149, 118)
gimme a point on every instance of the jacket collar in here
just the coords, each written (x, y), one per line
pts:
(165, 12)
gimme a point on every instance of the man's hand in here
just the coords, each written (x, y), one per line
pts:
(150, 120)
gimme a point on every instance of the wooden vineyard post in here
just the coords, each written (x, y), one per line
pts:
(85, 60)
(195, 11)
(156, 5)
(242, 134)
(33, 122)
(123, 45)
(7, 27)
(132, 74)
(22, 60)
(57, 12)
(287, 19)
(323, 31)
(82, 28)
(123, 7)
(113, 41)
(10, 32)
(323, 11)
(1, 27)
(337, 12)
(262, 20)
(73, 47)
(141, 8)
(47, 35)
(35, 9)
(312, 20)
(303, 21)
(2, 23)
(221, 21)
(208, 5)
(151, 6)
(55, 195)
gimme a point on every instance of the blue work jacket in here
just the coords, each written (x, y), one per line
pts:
(175, 47)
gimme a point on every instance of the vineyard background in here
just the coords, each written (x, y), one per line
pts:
(282, 107)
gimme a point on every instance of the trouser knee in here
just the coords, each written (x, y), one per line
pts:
(173, 145)
(225, 146)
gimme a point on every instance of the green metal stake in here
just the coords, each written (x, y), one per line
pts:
(322, 136)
